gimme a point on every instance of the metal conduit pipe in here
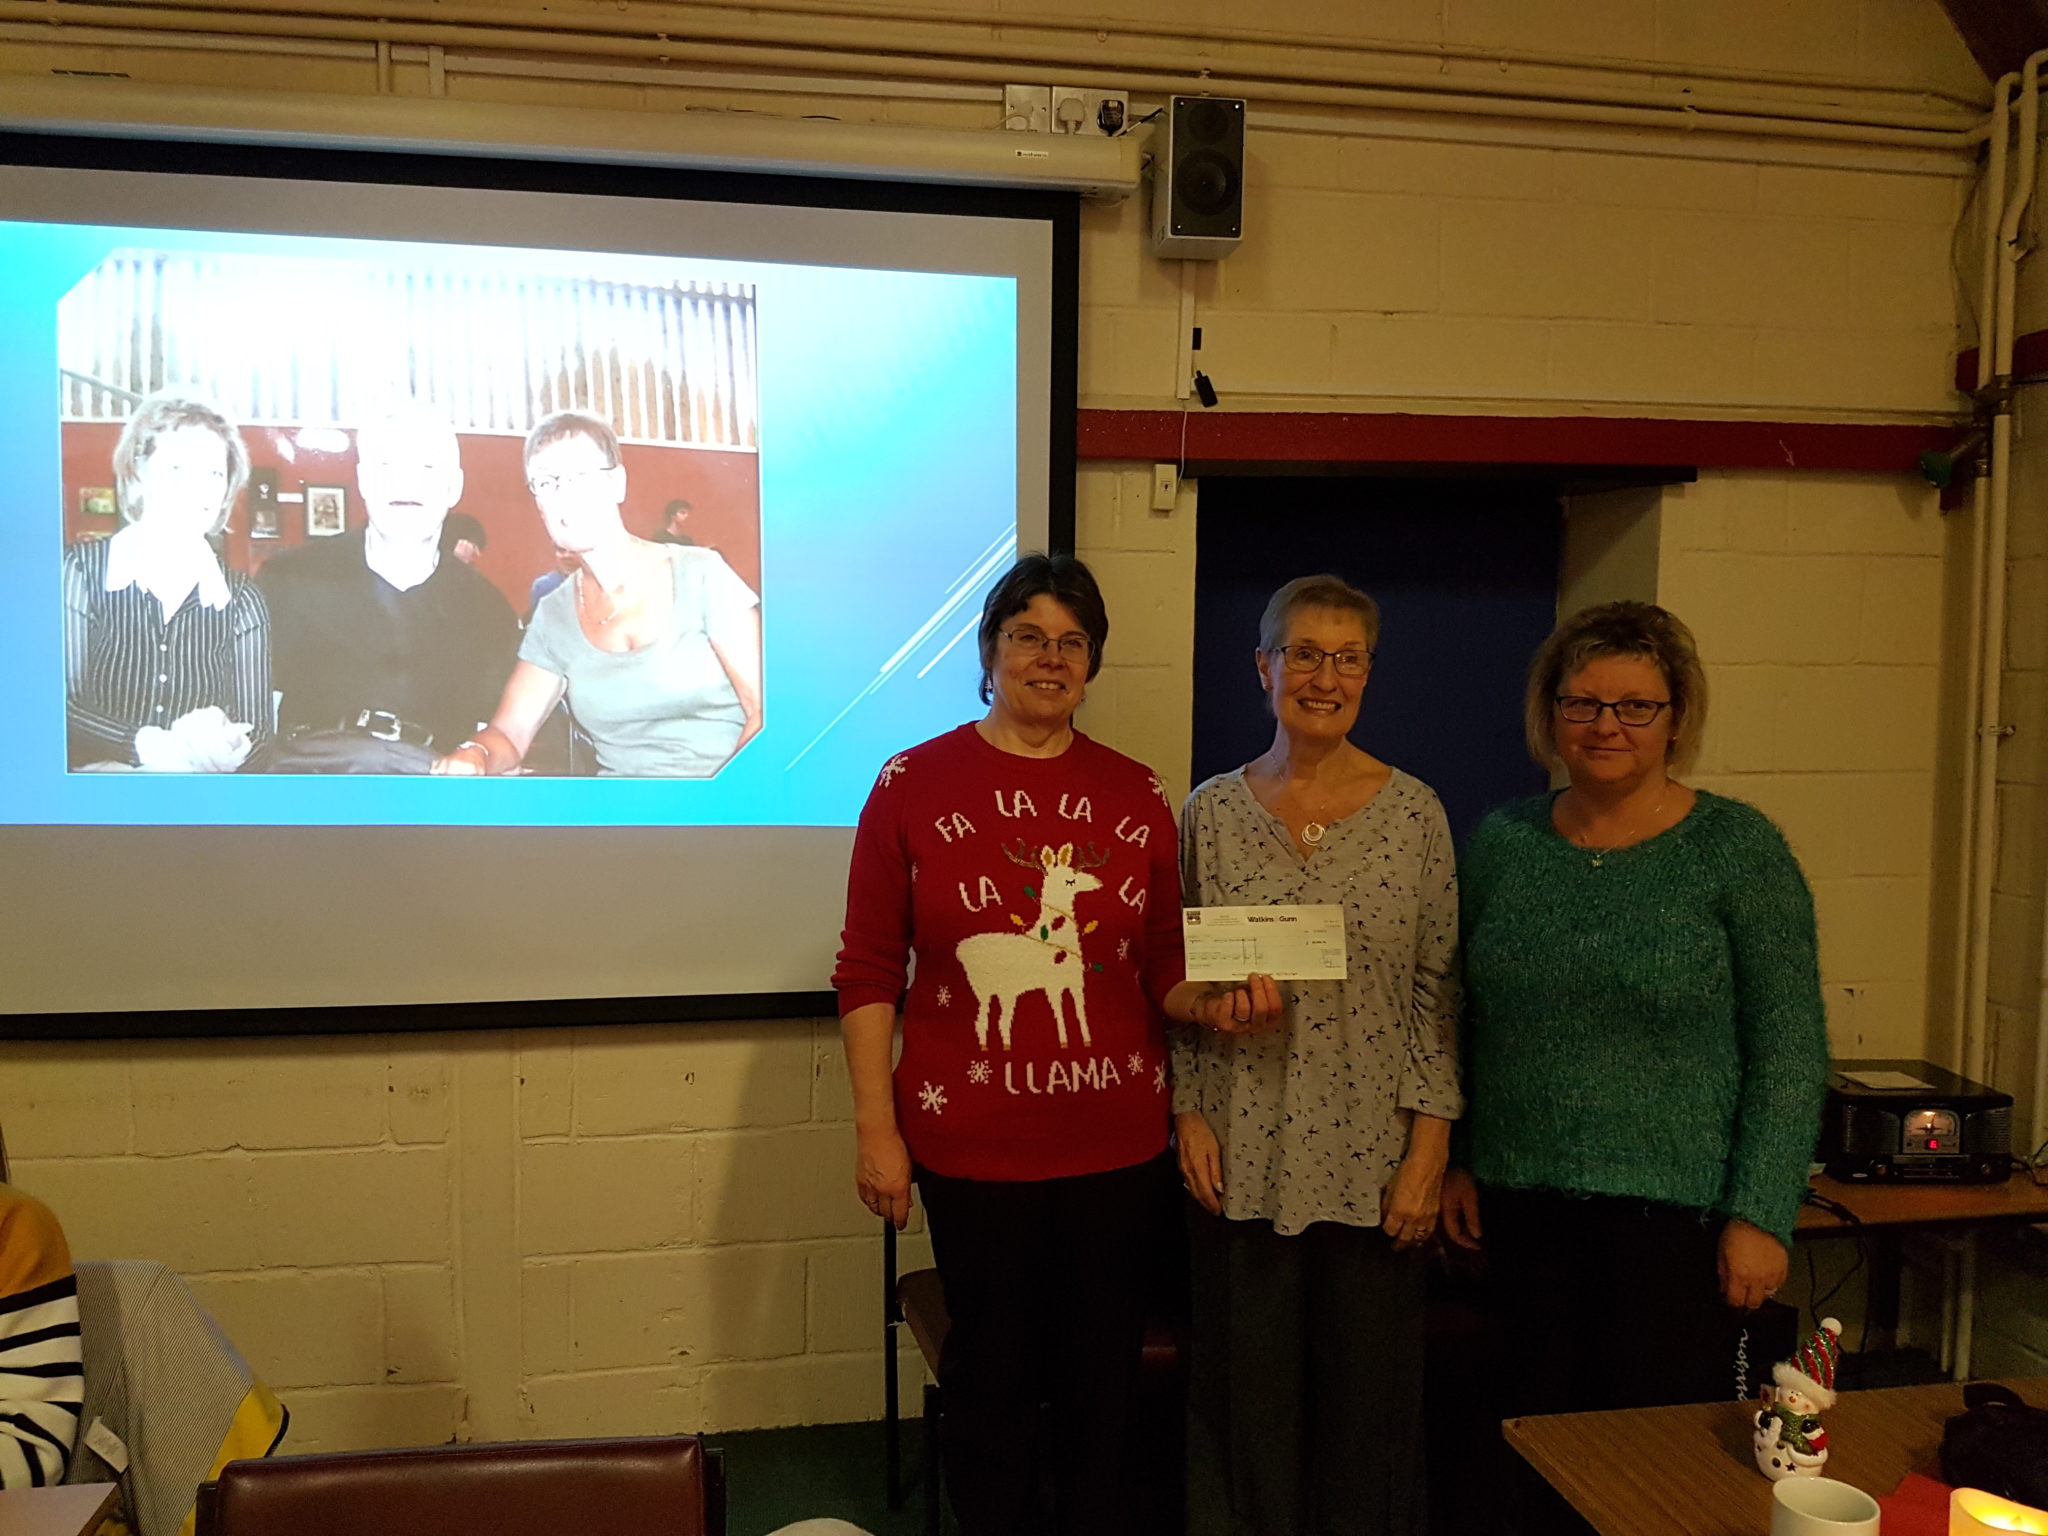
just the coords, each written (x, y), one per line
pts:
(1990, 685)
(60, 13)
(1111, 66)
(218, 42)
(1276, 38)
(1437, 127)
(1996, 194)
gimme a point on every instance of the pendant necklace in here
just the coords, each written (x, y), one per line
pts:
(1600, 854)
(1313, 832)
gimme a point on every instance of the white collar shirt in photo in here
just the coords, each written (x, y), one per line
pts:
(169, 570)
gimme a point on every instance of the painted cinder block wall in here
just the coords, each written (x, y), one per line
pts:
(636, 1229)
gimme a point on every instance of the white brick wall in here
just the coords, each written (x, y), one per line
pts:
(630, 1229)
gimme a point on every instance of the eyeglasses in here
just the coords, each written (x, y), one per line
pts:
(1031, 643)
(1584, 711)
(1309, 658)
(547, 485)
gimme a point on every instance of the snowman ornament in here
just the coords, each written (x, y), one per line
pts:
(1789, 1440)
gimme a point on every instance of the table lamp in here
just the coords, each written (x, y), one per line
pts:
(1973, 1512)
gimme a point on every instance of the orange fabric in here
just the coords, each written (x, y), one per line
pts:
(32, 1247)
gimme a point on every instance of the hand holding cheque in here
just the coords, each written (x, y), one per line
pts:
(1237, 955)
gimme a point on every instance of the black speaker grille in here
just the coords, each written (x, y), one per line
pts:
(1208, 167)
(1206, 122)
(1869, 1132)
(1990, 1131)
(1208, 183)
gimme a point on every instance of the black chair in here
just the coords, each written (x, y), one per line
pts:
(669, 1485)
(916, 1301)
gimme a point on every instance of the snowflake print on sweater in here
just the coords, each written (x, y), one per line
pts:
(1044, 927)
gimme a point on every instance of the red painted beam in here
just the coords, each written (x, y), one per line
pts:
(2029, 360)
(1336, 438)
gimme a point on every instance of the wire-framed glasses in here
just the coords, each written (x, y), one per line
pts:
(548, 485)
(1350, 662)
(1581, 710)
(1031, 642)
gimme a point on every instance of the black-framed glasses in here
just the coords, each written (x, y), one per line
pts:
(1032, 643)
(1310, 658)
(1581, 710)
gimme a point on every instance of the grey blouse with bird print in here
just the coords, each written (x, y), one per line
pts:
(1313, 1116)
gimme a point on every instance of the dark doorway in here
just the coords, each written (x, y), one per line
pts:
(1465, 573)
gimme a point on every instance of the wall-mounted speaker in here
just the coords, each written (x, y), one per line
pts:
(1198, 178)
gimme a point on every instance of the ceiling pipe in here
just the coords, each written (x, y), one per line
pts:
(1436, 53)
(366, 20)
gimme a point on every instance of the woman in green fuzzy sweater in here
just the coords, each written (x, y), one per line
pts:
(1647, 1047)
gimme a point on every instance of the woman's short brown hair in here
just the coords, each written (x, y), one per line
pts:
(1619, 629)
(155, 418)
(1320, 591)
(1061, 577)
(562, 425)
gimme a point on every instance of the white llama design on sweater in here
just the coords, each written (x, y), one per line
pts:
(1044, 956)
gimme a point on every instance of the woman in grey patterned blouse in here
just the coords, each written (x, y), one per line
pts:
(1315, 1152)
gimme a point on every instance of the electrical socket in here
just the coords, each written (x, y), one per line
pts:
(1083, 111)
(1027, 108)
(1165, 486)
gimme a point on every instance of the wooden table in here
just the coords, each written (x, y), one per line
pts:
(2018, 1199)
(1885, 1213)
(68, 1511)
(1688, 1471)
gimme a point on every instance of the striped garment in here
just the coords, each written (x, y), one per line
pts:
(42, 1379)
(125, 668)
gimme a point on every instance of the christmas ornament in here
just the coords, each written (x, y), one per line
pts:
(1789, 1440)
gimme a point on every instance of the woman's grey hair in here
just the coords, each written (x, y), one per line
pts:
(1319, 591)
(1619, 629)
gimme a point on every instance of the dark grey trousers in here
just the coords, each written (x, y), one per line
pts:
(1305, 1382)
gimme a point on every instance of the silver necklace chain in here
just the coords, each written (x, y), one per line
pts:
(1600, 854)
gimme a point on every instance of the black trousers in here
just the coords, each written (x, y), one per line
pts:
(1305, 1384)
(1603, 1302)
(1046, 1284)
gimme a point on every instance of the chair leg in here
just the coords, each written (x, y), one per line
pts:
(934, 1481)
(714, 1490)
(892, 1430)
(892, 1399)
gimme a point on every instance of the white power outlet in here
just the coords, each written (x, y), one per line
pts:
(1165, 486)
(1080, 110)
(1027, 108)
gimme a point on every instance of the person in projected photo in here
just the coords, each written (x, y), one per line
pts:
(1031, 876)
(1646, 1044)
(166, 652)
(656, 647)
(386, 646)
(465, 538)
(1315, 1153)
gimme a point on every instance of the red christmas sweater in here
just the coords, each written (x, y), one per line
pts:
(1040, 899)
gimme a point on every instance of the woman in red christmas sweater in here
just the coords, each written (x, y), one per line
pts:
(1033, 874)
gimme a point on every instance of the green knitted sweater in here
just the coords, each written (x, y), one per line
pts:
(1650, 1025)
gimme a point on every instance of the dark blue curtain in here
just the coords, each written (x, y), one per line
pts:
(1465, 573)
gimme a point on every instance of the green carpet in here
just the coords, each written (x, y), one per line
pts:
(777, 1476)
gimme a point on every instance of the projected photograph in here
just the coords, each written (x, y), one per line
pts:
(409, 510)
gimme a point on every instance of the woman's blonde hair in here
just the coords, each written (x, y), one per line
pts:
(1619, 629)
(154, 419)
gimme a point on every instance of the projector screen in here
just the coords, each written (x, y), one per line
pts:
(688, 486)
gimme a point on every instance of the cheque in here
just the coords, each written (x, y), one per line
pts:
(1286, 943)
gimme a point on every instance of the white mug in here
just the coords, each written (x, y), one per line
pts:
(1820, 1506)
